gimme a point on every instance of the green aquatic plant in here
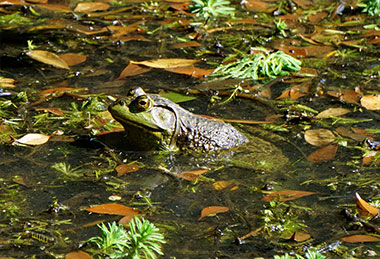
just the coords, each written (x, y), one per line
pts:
(211, 8)
(309, 255)
(143, 240)
(260, 65)
(372, 7)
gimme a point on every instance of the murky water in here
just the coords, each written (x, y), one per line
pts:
(42, 211)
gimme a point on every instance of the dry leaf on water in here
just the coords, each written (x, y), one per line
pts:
(370, 102)
(360, 239)
(91, 7)
(125, 169)
(7, 82)
(47, 57)
(78, 255)
(212, 210)
(33, 139)
(364, 209)
(166, 62)
(220, 185)
(332, 112)
(113, 209)
(192, 175)
(191, 71)
(55, 111)
(299, 236)
(323, 154)
(133, 70)
(319, 137)
(286, 195)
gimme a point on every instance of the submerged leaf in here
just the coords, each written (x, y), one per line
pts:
(125, 169)
(286, 195)
(323, 154)
(212, 210)
(192, 175)
(133, 70)
(319, 137)
(371, 102)
(332, 112)
(78, 255)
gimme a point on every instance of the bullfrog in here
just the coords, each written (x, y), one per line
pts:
(152, 122)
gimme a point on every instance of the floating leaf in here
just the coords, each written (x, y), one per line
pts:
(125, 169)
(7, 82)
(370, 102)
(55, 7)
(220, 185)
(323, 154)
(133, 70)
(78, 255)
(319, 137)
(286, 195)
(47, 57)
(72, 59)
(258, 6)
(191, 71)
(192, 175)
(212, 210)
(332, 112)
(299, 236)
(364, 209)
(185, 45)
(33, 139)
(346, 95)
(166, 62)
(91, 7)
(360, 239)
(113, 209)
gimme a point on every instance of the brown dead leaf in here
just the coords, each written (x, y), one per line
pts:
(126, 169)
(258, 6)
(114, 209)
(370, 102)
(72, 59)
(126, 219)
(12, 2)
(133, 70)
(212, 210)
(78, 255)
(166, 62)
(91, 7)
(220, 185)
(7, 82)
(346, 95)
(191, 71)
(192, 175)
(47, 57)
(319, 137)
(351, 133)
(6, 133)
(364, 209)
(55, 111)
(306, 72)
(55, 7)
(286, 195)
(323, 154)
(33, 139)
(332, 112)
(185, 45)
(299, 236)
(360, 239)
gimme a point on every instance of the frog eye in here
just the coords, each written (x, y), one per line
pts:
(143, 103)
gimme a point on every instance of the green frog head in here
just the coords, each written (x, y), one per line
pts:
(153, 122)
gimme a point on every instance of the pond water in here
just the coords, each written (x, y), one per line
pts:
(45, 189)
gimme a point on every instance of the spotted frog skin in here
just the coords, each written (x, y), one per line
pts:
(152, 122)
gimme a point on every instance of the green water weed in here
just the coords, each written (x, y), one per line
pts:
(211, 8)
(260, 65)
(372, 7)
